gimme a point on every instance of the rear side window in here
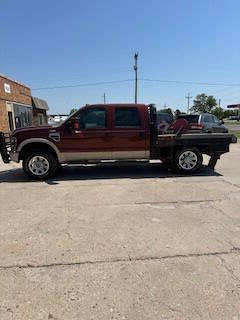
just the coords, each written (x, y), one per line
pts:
(191, 118)
(127, 118)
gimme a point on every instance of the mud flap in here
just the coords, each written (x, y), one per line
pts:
(213, 160)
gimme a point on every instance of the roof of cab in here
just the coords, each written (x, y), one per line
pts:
(141, 105)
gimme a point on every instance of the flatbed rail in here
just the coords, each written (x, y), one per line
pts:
(200, 135)
(212, 144)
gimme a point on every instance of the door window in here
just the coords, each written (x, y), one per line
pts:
(40, 119)
(127, 118)
(215, 120)
(208, 118)
(93, 119)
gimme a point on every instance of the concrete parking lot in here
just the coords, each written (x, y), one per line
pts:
(128, 241)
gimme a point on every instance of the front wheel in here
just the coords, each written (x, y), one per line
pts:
(40, 164)
(188, 160)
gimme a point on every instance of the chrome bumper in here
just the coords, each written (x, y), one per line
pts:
(14, 156)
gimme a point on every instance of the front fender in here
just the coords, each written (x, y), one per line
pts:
(26, 142)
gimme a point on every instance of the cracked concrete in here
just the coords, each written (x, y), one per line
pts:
(121, 242)
(120, 260)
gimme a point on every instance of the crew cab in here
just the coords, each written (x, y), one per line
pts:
(109, 132)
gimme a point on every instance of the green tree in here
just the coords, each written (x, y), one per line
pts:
(166, 110)
(73, 110)
(203, 103)
(218, 112)
(177, 112)
(228, 113)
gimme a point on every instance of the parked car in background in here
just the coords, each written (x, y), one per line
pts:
(234, 118)
(204, 122)
(164, 117)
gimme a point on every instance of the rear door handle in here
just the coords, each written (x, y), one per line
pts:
(142, 135)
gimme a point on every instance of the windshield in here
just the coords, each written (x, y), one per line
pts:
(71, 115)
(164, 117)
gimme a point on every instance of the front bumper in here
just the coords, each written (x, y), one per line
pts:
(3, 148)
(7, 148)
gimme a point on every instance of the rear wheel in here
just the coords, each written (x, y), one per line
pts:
(40, 164)
(188, 160)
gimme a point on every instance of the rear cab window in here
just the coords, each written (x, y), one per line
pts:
(125, 117)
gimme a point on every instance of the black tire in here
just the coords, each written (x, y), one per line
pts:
(46, 160)
(191, 164)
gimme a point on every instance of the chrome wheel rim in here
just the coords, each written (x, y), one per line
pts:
(188, 160)
(38, 165)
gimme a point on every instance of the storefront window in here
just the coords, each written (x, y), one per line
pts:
(22, 115)
(40, 119)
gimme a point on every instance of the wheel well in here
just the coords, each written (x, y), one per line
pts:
(201, 148)
(36, 145)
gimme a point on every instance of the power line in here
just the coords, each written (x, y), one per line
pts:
(192, 82)
(83, 85)
(141, 79)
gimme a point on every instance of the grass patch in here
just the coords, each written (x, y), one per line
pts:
(232, 122)
(236, 133)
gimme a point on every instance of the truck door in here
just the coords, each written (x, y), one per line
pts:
(129, 133)
(91, 140)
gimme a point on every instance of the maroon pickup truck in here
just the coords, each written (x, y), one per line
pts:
(109, 132)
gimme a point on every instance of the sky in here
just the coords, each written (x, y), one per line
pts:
(87, 44)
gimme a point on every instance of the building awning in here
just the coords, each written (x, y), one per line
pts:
(40, 104)
(234, 106)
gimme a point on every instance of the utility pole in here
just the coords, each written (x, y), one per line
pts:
(136, 74)
(104, 98)
(188, 97)
(219, 103)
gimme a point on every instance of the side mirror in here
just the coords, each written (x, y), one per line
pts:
(73, 124)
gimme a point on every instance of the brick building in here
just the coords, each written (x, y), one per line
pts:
(40, 108)
(17, 107)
